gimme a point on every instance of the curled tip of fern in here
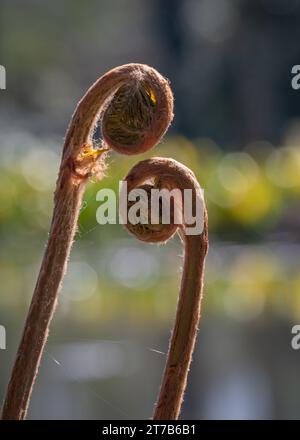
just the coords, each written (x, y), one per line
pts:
(161, 173)
(134, 104)
(148, 231)
(139, 113)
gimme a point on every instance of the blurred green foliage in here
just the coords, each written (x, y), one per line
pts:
(251, 196)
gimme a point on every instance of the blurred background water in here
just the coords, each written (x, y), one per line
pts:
(237, 125)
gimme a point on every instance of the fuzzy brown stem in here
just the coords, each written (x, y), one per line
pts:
(44, 300)
(185, 329)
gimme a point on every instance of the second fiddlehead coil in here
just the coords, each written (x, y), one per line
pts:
(170, 174)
